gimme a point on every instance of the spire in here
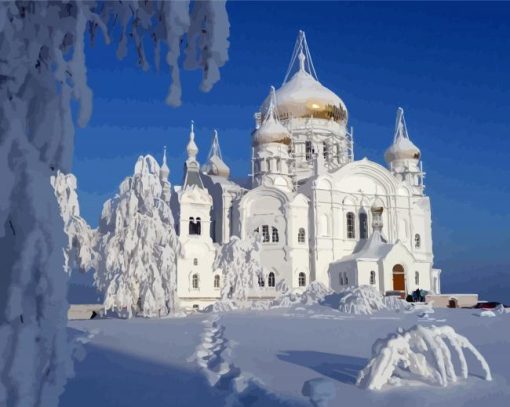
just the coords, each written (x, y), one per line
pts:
(215, 146)
(302, 54)
(164, 171)
(192, 148)
(400, 126)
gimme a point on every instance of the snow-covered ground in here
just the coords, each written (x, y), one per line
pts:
(264, 358)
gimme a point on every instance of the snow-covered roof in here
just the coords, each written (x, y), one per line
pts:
(271, 130)
(376, 247)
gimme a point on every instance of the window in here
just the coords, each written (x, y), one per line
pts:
(194, 281)
(271, 280)
(194, 226)
(417, 241)
(274, 236)
(265, 233)
(372, 277)
(195, 261)
(346, 280)
(350, 226)
(325, 150)
(416, 277)
(301, 235)
(216, 281)
(341, 279)
(308, 150)
(363, 225)
(261, 281)
(302, 279)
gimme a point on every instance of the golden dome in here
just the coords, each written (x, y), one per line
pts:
(304, 96)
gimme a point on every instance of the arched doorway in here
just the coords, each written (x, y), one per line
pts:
(453, 303)
(399, 279)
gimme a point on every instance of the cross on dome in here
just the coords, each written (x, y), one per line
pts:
(400, 126)
(302, 54)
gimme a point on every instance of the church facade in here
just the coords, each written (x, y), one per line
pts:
(321, 215)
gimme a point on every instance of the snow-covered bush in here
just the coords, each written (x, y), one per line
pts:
(421, 354)
(361, 300)
(487, 313)
(79, 252)
(313, 294)
(137, 246)
(395, 303)
(43, 67)
(239, 261)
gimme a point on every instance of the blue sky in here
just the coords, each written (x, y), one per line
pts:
(446, 64)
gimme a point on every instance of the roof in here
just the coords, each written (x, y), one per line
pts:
(375, 248)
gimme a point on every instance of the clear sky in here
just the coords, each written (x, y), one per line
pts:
(446, 64)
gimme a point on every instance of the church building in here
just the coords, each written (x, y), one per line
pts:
(321, 215)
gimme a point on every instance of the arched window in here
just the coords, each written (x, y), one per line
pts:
(194, 281)
(261, 281)
(274, 236)
(372, 277)
(271, 280)
(341, 278)
(198, 227)
(363, 225)
(350, 226)
(416, 277)
(265, 233)
(308, 150)
(191, 230)
(195, 261)
(302, 279)
(216, 281)
(417, 241)
(346, 280)
(301, 236)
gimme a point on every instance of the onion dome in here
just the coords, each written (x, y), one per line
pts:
(271, 130)
(215, 164)
(402, 148)
(303, 95)
(164, 171)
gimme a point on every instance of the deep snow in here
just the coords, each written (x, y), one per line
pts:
(264, 358)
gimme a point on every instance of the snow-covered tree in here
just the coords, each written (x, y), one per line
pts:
(423, 354)
(239, 261)
(79, 252)
(137, 246)
(42, 67)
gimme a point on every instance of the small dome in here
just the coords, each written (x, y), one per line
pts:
(216, 166)
(271, 131)
(402, 149)
(305, 96)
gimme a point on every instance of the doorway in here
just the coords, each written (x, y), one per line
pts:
(399, 279)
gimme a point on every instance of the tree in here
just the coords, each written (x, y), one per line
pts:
(240, 263)
(137, 246)
(42, 67)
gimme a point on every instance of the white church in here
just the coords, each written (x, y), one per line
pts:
(321, 215)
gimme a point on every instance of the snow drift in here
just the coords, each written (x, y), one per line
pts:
(361, 300)
(315, 293)
(137, 246)
(419, 355)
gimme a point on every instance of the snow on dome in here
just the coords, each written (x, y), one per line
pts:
(402, 148)
(303, 95)
(419, 355)
(361, 300)
(215, 164)
(271, 130)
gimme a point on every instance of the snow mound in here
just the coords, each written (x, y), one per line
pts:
(315, 293)
(500, 309)
(361, 300)
(487, 313)
(320, 391)
(395, 303)
(419, 355)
